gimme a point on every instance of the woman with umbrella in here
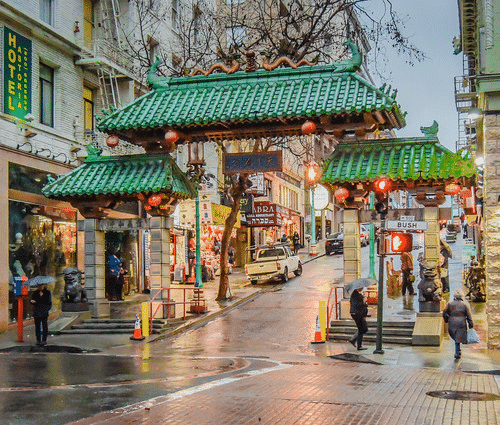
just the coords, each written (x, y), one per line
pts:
(42, 303)
(359, 310)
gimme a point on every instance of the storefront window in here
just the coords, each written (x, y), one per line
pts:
(27, 179)
(42, 242)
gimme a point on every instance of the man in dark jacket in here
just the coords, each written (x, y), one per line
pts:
(42, 303)
(359, 310)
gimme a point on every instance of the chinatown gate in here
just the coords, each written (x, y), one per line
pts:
(253, 104)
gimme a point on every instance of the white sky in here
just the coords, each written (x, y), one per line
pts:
(426, 89)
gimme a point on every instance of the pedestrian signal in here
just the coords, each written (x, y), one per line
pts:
(401, 242)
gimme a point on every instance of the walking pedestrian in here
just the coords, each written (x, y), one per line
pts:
(113, 272)
(457, 315)
(42, 303)
(296, 243)
(359, 311)
(407, 273)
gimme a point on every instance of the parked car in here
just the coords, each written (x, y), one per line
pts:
(334, 243)
(271, 262)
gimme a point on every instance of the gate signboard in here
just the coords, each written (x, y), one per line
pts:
(252, 162)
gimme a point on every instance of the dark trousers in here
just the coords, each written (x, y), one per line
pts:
(362, 329)
(445, 281)
(406, 282)
(41, 329)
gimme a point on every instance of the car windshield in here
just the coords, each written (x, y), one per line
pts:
(336, 236)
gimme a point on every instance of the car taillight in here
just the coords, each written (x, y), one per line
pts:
(278, 266)
(246, 270)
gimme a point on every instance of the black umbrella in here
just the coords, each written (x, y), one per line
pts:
(40, 280)
(358, 284)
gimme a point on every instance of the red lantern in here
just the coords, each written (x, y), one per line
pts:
(308, 127)
(465, 193)
(154, 200)
(341, 194)
(112, 140)
(452, 189)
(171, 136)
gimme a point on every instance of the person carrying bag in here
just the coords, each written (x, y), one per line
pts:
(457, 315)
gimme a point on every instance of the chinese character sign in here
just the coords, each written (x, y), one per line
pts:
(17, 74)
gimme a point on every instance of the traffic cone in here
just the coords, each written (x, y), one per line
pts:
(137, 330)
(317, 333)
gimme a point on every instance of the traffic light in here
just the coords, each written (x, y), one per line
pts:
(401, 242)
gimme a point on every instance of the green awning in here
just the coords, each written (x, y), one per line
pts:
(278, 96)
(400, 160)
(125, 176)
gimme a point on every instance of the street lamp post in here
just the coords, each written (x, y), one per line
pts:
(196, 162)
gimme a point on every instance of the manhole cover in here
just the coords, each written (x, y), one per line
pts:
(464, 395)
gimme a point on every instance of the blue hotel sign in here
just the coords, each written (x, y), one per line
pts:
(235, 163)
(17, 64)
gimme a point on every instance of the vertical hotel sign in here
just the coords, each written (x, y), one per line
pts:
(17, 74)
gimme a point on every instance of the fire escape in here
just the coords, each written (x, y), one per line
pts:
(105, 56)
(465, 85)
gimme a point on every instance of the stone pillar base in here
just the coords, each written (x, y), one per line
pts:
(428, 330)
(99, 308)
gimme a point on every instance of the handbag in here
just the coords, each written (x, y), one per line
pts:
(411, 278)
(472, 336)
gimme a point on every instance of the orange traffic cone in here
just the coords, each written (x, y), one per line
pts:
(137, 330)
(317, 333)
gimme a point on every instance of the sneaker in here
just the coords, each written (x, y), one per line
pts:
(362, 348)
(413, 293)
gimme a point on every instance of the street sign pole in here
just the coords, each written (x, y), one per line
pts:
(380, 300)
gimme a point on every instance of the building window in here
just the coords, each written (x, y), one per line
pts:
(46, 95)
(88, 22)
(236, 36)
(175, 15)
(88, 112)
(154, 49)
(46, 11)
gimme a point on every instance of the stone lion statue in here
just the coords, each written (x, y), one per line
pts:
(73, 288)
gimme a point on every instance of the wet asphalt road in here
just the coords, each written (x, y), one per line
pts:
(59, 388)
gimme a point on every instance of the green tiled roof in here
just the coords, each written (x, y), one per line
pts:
(397, 159)
(124, 176)
(248, 97)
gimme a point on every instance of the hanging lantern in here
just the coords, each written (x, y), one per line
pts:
(154, 200)
(452, 189)
(341, 194)
(308, 127)
(465, 193)
(171, 136)
(112, 140)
